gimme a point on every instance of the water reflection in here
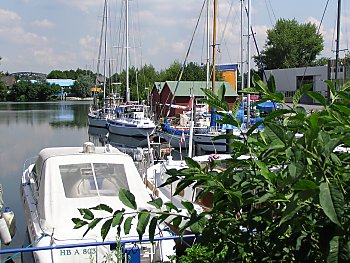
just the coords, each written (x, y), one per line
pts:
(27, 128)
(57, 114)
(98, 135)
(126, 141)
(102, 136)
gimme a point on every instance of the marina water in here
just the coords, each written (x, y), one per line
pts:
(25, 129)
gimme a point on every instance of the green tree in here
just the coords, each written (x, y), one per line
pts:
(320, 62)
(28, 91)
(290, 44)
(346, 60)
(69, 74)
(19, 91)
(171, 73)
(82, 85)
(3, 89)
(194, 72)
(57, 74)
(147, 76)
(287, 200)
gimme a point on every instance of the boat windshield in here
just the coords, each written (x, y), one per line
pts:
(93, 179)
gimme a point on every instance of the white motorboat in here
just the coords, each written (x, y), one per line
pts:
(131, 120)
(98, 118)
(156, 175)
(64, 179)
(7, 222)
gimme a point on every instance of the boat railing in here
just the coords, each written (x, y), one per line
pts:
(29, 162)
(127, 246)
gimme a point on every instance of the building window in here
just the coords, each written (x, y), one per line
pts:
(302, 80)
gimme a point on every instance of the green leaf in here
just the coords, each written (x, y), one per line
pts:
(127, 225)
(105, 228)
(299, 93)
(265, 197)
(188, 205)
(86, 213)
(152, 228)
(331, 88)
(276, 135)
(127, 198)
(295, 169)
(251, 90)
(94, 222)
(271, 84)
(304, 184)
(265, 171)
(182, 185)
(102, 207)
(79, 223)
(157, 203)
(142, 223)
(177, 221)
(317, 97)
(117, 218)
(291, 209)
(191, 163)
(235, 107)
(197, 223)
(277, 114)
(170, 206)
(334, 250)
(343, 109)
(332, 202)
(221, 92)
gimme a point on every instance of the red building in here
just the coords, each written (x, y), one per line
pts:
(178, 95)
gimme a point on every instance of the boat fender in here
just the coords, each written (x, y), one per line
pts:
(5, 236)
(9, 217)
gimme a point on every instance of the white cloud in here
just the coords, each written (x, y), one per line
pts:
(44, 23)
(83, 5)
(88, 47)
(8, 18)
(48, 56)
(17, 35)
(12, 31)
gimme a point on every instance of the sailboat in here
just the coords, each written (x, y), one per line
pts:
(203, 136)
(97, 116)
(205, 140)
(130, 119)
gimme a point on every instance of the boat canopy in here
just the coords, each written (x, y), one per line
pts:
(68, 179)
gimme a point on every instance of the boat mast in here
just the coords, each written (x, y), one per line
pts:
(190, 143)
(248, 63)
(105, 53)
(242, 48)
(337, 44)
(212, 119)
(208, 44)
(127, 50)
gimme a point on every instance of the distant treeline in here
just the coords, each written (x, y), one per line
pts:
(141, 81)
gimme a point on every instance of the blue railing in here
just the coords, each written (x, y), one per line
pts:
(17, 251)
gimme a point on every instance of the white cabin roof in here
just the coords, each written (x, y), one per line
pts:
(69, 179)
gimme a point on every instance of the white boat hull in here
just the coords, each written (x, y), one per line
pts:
(206, 143)
(50, 207)
(127, 129)
(97, 121)
(175, 140)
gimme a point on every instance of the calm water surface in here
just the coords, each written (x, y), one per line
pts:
(25, 129)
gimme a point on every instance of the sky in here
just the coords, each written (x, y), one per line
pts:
(41, 36)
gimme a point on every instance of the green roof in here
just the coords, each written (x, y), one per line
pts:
(185, 88)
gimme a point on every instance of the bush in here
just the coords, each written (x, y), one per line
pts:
(289, 200)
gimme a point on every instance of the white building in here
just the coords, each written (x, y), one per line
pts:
(289, 80)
